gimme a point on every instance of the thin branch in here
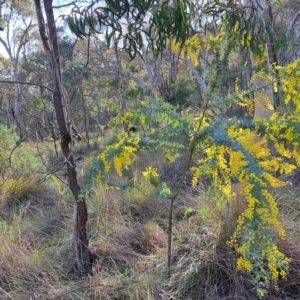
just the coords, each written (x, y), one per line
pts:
(139, 81)
(204, 88)
(47, 176)
(23, 40)
(186, 168)
(29, 83)
(75, 86)
(149, 71)
(6, 48)
(64, 59)
(64, 5)
(18, 143)
(293, 22)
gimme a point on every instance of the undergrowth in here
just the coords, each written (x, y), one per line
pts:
(128, 232)
(128, 237)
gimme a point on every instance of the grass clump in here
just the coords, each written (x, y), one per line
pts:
(18, 273)
(20, 172)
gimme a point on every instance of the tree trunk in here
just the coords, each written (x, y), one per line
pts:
(17, 102)
(49, 39)
(86, 125)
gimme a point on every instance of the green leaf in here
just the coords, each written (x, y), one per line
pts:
(108, 37)
(139, 39)
(112, 7)
(164, 192)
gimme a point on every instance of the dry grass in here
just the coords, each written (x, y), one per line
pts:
(15, 264)
(20, 273)
(289, 204)
(128, 236)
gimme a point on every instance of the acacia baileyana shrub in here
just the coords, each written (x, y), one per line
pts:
(227, 150)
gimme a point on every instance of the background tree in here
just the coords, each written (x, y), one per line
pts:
(18, 36)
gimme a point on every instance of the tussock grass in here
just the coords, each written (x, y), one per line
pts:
(19, 273)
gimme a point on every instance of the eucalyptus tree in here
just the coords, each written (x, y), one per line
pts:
(286, 19)
(18, 40)
(1, 19)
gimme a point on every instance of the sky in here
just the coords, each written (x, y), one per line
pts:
(58, 13)
(65, 10)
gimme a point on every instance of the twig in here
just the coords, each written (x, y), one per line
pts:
(29, 206)
(75, 85)
(29, 83)
(18, 143)
(64, 5)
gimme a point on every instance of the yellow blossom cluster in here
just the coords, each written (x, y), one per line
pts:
(191, 49)
(247, 40)
(120, 154)
(244, 101)
(257, 147)
(103, 157)
(260, 256)
(275, 87)
(262, 101)
(123, 160)
(251, 201)
(133, 118)
(243, 265)
(258, 253)
(218, 153)
(150, 172)
(214, 42)
(252, 241)
(200, 123)
(259, 59)
(237, 162)
(196, 176)
(236, 85)
(152, 176)
(291, 83)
